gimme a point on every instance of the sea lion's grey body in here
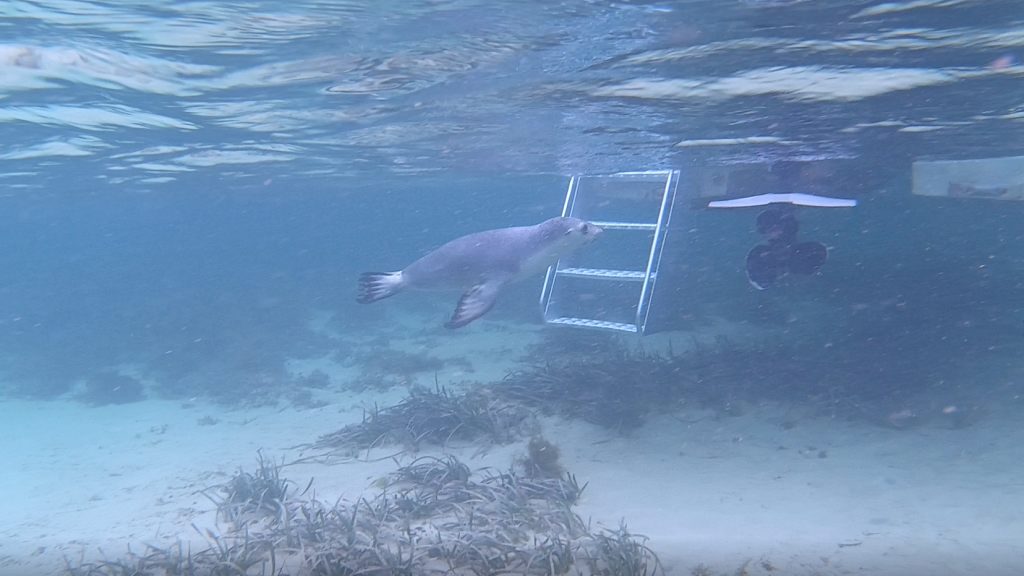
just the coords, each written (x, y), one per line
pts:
(482, 263)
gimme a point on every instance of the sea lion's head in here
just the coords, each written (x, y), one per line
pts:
(569, 233)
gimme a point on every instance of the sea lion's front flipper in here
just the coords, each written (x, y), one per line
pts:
(475, 303)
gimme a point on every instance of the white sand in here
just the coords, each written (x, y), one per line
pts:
(822, 497)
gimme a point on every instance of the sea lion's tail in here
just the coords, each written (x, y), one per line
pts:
(375, 286)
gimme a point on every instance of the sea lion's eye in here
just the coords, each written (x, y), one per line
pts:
(585, 229)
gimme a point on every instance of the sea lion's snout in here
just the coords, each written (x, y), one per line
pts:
(590, 231)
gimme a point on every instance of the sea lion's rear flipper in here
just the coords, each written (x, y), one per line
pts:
(475, 303)
(375, 286)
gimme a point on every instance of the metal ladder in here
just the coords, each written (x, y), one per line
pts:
(662, 186)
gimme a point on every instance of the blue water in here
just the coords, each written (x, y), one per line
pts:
(182, 157)
(183, 185)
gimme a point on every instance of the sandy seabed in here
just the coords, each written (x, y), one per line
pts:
(736, 494)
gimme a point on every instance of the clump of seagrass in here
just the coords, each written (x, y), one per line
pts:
(252, 496)
(616, 386)
(615, 389)
(620, 553)
(434, 417)
(567, 343)
(231, 555)
(542, 459)
(431, 516)
(108, 387)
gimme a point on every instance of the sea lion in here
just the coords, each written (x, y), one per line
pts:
(482, 264)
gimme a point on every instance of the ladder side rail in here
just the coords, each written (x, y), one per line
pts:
(654, 258)
(661, 250)
(549, 277)
(570, 196)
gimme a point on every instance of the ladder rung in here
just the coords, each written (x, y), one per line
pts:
(588, 323)
(625, 225)
(602, 273)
